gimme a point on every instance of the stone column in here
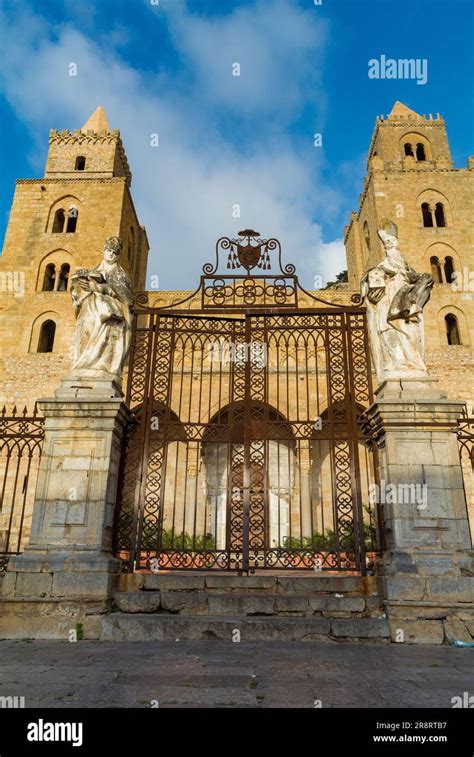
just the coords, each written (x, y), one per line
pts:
(68, 569)
(426, 572)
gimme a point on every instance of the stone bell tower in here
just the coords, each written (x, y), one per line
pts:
(412, 180)
(57, 224)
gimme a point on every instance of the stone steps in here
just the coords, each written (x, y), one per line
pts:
(307, 584)
(181, 606)
(120, 626)
(246, 604)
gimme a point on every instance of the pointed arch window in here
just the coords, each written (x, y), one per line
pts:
(448, 268)
(427, 215)
(72, 220)
(49, 277)
(439, 215)
(436, 270)
(420, 152)
(452, 329)
(59, 220)
(63, 277)
(46, 336)
(408, 150)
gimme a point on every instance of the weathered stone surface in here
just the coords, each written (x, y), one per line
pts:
(221, 673)
(186, 602)
(8, 584)
(360, 628)
(172, 582)
(120, 627)
(230, 582)
(36, 627)
(92, 627)
(131, 581)
(289, 603)
(331, 603)
(317, 584)
(459, 589)
(417, 631)
(403, 587)
(418, 611)
(28, 618)
(86, 585)
(374, 604)
(33, 584)
(241, 604)
(457, 629)
(436, 565)
(138, 601)
(470, 626)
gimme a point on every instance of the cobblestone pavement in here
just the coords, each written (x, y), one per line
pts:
(223, 674)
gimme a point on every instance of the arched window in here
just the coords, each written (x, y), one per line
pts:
(436, 270)
(452, 329)
(80, 163)
(448, 268)
(420, 152)
(72, 220)
(49, 277)
(439, 214)
(63, 277)
(58, 223)
(367, 236)
(427, 215)
(46, 337)
(408, 149)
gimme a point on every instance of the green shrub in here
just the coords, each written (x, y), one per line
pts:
(170, 539)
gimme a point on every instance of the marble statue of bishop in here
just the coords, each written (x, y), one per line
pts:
(102, 300)
(395, 296)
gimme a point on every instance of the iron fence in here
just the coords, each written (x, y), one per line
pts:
(21, 443)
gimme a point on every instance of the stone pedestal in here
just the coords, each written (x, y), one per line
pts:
(426, 572)
(67, 570)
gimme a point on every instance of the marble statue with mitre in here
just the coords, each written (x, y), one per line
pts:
(395, 296)
(102, 300)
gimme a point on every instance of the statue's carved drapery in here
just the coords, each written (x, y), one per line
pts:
(395, 296)
(102, 299)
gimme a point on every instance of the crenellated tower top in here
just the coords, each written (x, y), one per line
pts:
(95, 151)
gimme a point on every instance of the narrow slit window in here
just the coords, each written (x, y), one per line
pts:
(436, 270)
(49, 277)
(427, 215)
(439, 215)
(72, 220)
(63, 277)
(58, 223)
(46, 337)
(452, 329)
(420, 152)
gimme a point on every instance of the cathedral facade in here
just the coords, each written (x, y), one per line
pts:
(59, 223)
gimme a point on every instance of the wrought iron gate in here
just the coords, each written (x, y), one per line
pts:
(244, 452)
(21, 443)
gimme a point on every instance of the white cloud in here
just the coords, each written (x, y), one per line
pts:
(278, 46)
(185, 189)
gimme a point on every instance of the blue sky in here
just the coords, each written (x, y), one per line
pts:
(227, 140)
